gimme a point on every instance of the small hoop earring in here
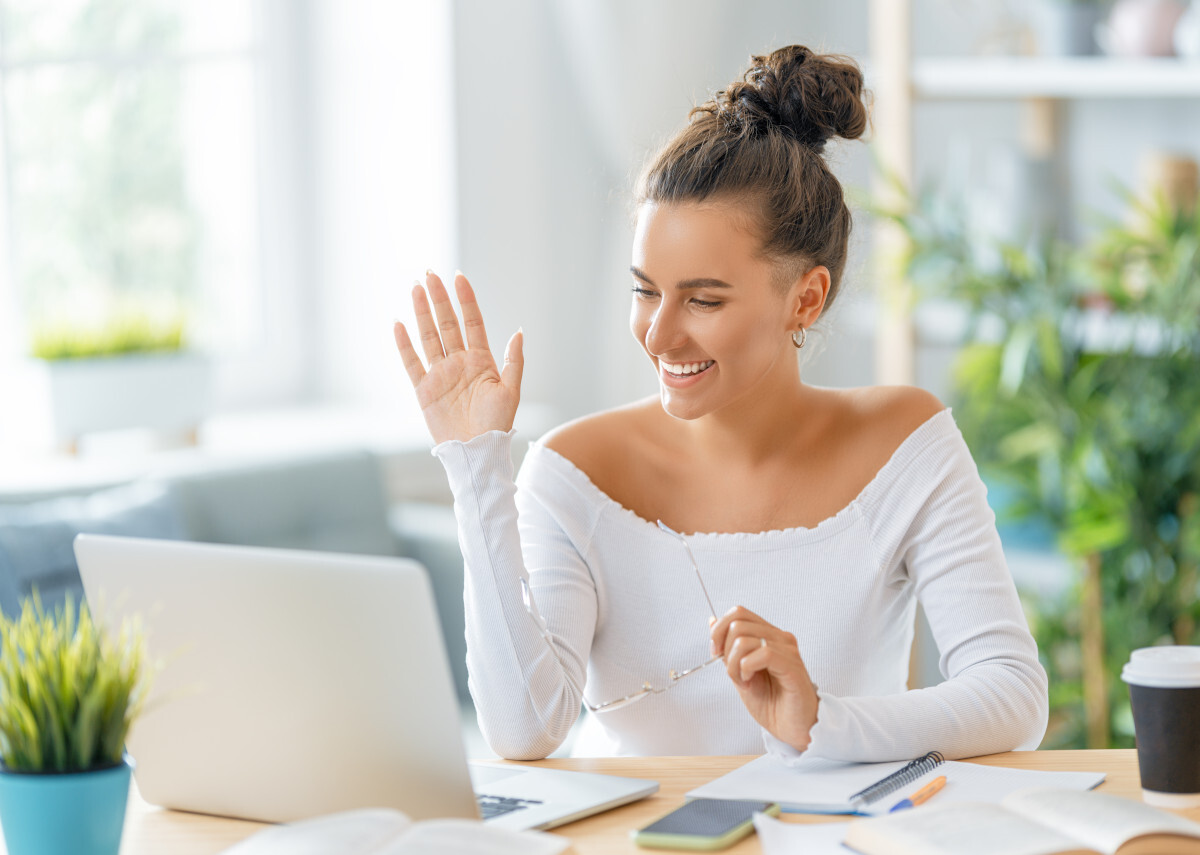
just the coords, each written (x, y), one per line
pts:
(803, 333)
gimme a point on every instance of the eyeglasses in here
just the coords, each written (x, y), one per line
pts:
(647, 688)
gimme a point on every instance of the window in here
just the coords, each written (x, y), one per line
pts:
(251, 161)
(129, 131)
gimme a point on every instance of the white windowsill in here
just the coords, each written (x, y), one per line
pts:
(234, 439)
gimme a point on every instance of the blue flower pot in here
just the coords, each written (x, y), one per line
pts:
(71, 813)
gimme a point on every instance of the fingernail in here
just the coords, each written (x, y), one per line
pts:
(712, 619)
(458, 273)
(428, 271)
(732, 610)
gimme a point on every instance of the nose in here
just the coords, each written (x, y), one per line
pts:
(665, 333)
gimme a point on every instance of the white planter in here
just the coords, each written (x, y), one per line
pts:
(162, 392)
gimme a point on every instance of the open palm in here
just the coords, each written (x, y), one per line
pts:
(462, 393)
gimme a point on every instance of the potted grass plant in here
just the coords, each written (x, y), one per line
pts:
(69, 693)
(132, 368)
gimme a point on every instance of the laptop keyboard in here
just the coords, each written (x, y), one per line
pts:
(494, 806)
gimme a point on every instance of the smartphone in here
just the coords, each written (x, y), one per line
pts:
(703, 824)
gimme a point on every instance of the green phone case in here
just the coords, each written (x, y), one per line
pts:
(695, 842)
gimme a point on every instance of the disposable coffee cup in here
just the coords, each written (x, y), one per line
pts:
(1164, 688)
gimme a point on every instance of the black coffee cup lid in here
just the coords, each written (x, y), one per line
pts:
(1165, 667)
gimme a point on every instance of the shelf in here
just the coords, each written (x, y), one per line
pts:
(1067, 77)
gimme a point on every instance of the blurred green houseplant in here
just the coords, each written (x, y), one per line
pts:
(68, 692)
(119, 364)
(127, 329)
(1078, 390)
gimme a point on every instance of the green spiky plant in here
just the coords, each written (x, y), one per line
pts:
(68, 692)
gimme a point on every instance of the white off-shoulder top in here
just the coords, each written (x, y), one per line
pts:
(615, 603)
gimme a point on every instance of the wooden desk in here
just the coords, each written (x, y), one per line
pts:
(153, 831)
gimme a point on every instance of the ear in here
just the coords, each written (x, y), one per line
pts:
(807, 296)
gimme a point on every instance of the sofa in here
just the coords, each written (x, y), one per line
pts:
(333, 501)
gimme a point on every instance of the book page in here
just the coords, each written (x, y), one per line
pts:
(458, 836)
(952, 829)
(355, 832)
(972, 782)
(777, 837)
(1104, 821)
(389, 832)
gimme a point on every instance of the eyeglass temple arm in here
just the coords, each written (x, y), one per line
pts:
(695, 566)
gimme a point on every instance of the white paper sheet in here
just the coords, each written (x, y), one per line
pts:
(788, 838)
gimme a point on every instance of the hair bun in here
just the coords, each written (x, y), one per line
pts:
(811, 96)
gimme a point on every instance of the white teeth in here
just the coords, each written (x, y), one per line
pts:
(686, 367)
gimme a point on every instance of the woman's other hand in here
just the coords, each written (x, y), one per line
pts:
(461, 393)
(765, 665)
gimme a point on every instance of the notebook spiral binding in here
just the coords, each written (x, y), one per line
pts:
(896, 780)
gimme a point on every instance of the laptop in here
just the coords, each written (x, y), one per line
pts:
(302, 683)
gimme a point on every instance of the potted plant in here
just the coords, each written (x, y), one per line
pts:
(69, 693)
(1076, 391)
(130, 369)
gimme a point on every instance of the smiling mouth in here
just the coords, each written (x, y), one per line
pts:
(686, 369)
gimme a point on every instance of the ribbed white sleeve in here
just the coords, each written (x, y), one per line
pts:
(525, 680)
(616, 604)
(935, 527)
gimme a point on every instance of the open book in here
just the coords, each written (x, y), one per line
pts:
(383, 831)
(1029, 822)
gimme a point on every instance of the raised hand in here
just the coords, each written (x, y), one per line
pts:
(461, 393)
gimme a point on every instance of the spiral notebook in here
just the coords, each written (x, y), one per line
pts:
(816, 785)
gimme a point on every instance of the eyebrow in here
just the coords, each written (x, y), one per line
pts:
(685, 284)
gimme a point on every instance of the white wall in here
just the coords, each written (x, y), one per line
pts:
(544, 219)
(383, 144)
(548, 140)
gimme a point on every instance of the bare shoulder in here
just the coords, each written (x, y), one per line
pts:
(883, 417)
(901, 409)
(595, 441)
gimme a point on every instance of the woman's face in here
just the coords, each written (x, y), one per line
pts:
(707, 309)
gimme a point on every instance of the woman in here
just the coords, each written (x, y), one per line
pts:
(817, 517)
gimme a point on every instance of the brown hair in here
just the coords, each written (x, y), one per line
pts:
(759, 142)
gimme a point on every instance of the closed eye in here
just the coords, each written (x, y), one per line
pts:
(706, 304)
(644, 293)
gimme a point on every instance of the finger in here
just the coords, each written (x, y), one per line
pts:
(720, 630)
(514, 362)
(431, 342)
(447, 321)
(408, 354)
(757, 658)
(738, 650)
(472, 317)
